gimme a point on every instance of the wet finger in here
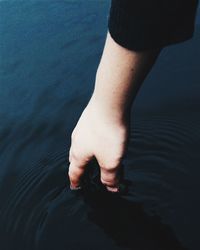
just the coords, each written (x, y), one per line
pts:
(110, 178)
(75, 172)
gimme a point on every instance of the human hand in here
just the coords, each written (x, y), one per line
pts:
(100, 134)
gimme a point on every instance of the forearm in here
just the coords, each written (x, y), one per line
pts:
(119, 76)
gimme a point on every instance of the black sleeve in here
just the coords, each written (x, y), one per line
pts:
(146, 24)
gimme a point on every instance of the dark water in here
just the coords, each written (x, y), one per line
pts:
(49, 52)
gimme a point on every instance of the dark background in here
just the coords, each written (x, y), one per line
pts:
(49, 53)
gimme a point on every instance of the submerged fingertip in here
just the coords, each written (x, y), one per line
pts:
(75, 188)
(112, 189)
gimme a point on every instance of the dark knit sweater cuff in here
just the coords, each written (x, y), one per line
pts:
(144, 29)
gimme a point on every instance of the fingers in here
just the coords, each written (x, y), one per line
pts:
(109, 173)
(76, 169)
(110, 177)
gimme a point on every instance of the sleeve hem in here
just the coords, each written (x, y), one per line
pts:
(136, 32)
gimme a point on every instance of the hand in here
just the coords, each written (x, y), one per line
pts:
(102, 135)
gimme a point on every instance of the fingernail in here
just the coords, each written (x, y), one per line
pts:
(75, 188)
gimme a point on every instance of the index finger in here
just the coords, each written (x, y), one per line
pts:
(75, 172)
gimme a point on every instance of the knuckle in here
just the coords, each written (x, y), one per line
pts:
(110, 168)
(112, 165)
(80, 156)
(74, 156)
(112, 182)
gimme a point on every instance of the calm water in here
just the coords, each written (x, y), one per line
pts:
(49, 52)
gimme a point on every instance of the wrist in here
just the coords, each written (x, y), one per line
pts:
(113, 111)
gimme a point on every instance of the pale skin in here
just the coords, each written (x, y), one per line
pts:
(102, 130)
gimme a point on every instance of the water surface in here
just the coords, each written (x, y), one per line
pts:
(49, 52)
